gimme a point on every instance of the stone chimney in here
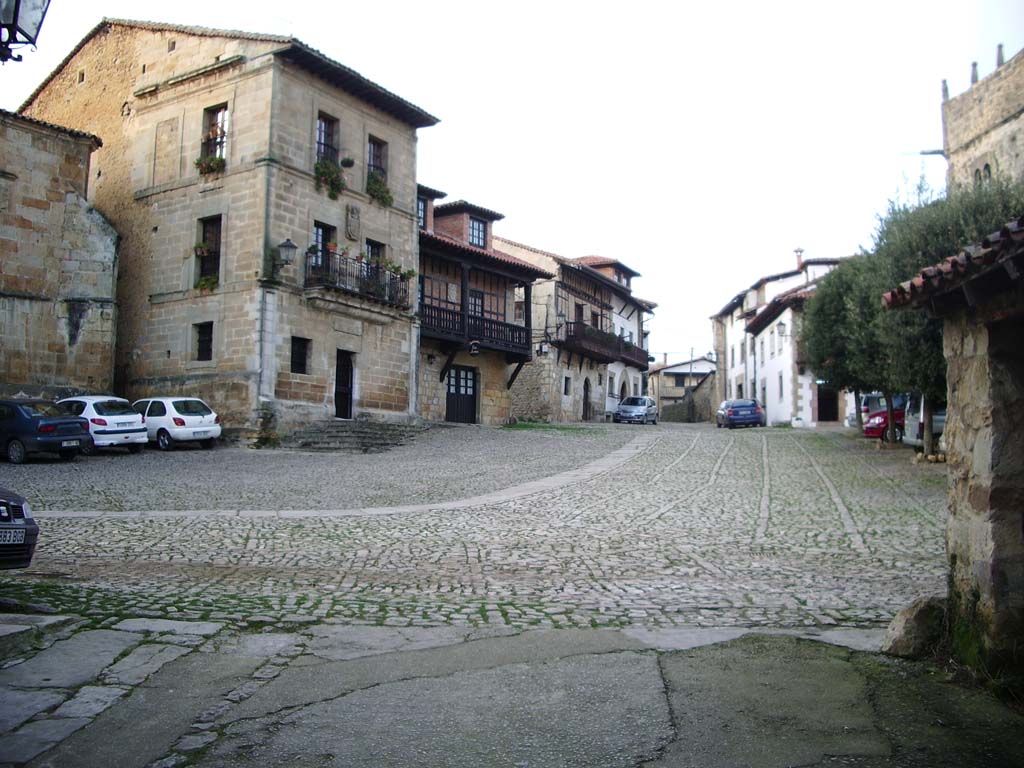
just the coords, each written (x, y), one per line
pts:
(999, 55)
(664, 358)
(799, 257)
(974, 72)
(945, 91)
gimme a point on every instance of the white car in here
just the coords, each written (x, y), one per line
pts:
(112, 422)
(178, 419)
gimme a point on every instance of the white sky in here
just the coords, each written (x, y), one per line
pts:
(699, 143)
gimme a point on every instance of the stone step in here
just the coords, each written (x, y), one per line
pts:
(352, 436)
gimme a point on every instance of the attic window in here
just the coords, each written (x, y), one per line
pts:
(81, 76)
(170, 46)
(143, 69)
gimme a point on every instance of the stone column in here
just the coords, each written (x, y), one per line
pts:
(985, 534)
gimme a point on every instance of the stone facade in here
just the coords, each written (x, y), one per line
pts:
(581, 324)
(58, 264)
(673, 385)
(983, 128)
(228, 321)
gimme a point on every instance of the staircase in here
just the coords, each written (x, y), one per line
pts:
(352, 436)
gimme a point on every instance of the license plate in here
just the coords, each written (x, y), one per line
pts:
(12, 536)
(68, 443)
(746, 413)
(200, 433)
(124, 423)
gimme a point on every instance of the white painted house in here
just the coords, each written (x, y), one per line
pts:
(759, 354)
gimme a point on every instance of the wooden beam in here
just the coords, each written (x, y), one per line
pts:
(447, 365)
(515, 373)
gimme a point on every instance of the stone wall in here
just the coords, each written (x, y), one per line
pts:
(57, 265)
(494, 401)
(985, 437)
(985, 125)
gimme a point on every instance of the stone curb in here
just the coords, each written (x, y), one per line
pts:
(612, 461)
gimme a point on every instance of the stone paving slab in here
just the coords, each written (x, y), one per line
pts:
(202, 628)
(71, 662)
(141, 663)
(17, 706)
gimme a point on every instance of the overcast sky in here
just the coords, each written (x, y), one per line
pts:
(699, 143)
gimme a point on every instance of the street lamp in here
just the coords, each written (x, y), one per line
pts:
(20, 21)
(285, 254)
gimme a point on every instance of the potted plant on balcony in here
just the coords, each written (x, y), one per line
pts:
(377, 189)
(203, 249)
(210, 164)
(207, 283)
(328, 175)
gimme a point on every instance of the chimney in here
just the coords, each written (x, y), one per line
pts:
(799, 257)
(945, 91)
(999, 55)
(974, 72)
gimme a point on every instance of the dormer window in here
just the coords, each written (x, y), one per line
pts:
(421, 212)
(477, 232)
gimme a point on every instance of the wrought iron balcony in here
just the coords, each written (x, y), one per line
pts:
(365, 279)
(454, 325)
(633, 355)
(590, 341)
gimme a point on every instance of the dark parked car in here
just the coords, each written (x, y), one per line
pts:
(638, 410)
(740, 413)
(18, 531)
(39, 426)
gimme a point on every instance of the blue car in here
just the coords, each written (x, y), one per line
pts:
(39, 426)
(18, 531)
(740, 413)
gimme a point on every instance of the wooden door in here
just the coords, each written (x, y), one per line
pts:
(461, 403)
(343, 385)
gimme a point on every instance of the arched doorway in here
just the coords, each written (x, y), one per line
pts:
(623, 392)
(586, 400)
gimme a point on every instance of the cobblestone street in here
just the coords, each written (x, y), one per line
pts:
(660, 526)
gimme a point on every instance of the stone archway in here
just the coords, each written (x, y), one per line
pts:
(623, 390)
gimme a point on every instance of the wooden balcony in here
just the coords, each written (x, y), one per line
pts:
(361, 278)
(454, 325)
(601, 346)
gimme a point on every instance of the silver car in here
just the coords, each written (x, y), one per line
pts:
(636, 410)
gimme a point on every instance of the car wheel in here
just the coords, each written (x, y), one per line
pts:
(655, 421)
(68, 455)
(16, 452)
(164, 441)
(732, 426)
(88, 449)
(718, 425)
(207, 444)
(899, 434)
(136, 447)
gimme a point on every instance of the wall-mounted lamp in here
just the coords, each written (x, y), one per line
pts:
(474, 348)
(19, 25)
(285, 254)
(781, 328)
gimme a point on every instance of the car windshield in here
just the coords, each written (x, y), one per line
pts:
(634, 401)
(742, 404)
(114, 408)
(192, 408)
(49, 410)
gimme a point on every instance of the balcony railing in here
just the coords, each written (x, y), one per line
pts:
(601, 346)
(363, 278)
(455, 325)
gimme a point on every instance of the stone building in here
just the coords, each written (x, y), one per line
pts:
(749, 364)
(626, 375)
(58, 263)
(983, 128)
(218, 147)
(474, 333)
(979, 295)
(685, 391)
(576, 337)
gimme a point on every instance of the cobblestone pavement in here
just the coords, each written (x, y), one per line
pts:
(678, 525)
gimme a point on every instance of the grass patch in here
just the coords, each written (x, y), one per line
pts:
(521, 425)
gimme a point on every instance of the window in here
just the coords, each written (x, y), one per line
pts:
(421, 212)
(762, 350)
(611, 383)
(566, 386)
(780, 387)
(519, 310)
(300, 354)
(477, 232)
(764, 391)
(595, 319)
(326, 138)
(771, 342)
(374, 250)
(208, 251)
(680, 380)
(377, 157)
(202, 341)
(732, 356)
(215, 132)
(171, 44)
(476, 303)
(743, 351)
(322, 235)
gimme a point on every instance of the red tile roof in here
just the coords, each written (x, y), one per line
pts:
(605, 261)
(502, 258)
(461, 206)
(995, 256)
(53, 126)
(794, 297)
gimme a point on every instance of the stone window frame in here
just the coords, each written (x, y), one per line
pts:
(216, 128)
(201, 264)
(194, 344)
(567, 386)
(375, 249)
(376, 156)
(328, 127)
(300, 362)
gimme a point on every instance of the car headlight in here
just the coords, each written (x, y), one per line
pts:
(876, 421)
(28, 512)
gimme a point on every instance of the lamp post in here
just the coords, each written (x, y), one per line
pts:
(20, 21)
(285, 253)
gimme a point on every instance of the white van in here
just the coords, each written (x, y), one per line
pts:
(914, 420)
